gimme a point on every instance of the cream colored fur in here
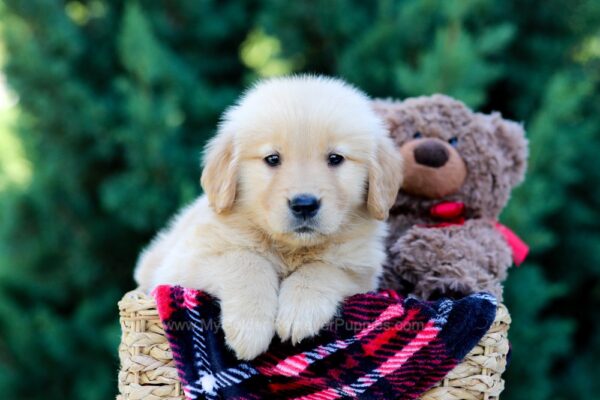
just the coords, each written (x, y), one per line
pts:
(238, 241)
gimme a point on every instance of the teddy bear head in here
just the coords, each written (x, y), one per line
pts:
(452, 154)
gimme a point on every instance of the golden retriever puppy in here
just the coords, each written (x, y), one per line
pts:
(298, 180)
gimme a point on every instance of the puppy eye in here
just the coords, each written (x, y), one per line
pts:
(334, 159)
(453, 141)
(273, 160)
(417, 135)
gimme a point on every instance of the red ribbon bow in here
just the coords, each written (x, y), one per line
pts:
(453, 214)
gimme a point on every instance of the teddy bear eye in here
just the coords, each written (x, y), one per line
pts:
(453, 141)
(417, 135)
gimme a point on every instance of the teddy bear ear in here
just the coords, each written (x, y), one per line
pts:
(512, 142)
(387, 110)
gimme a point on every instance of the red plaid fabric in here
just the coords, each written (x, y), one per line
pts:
(379, 346)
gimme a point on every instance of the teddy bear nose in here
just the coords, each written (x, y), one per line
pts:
(431, 153)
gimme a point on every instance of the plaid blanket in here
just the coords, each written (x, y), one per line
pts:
(380, 346)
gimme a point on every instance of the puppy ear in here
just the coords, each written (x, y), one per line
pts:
(385, 179)
(219, 176)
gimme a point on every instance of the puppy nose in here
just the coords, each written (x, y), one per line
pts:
(431, 153)
(304, 206)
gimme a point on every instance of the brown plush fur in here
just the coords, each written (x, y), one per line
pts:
(456, 260)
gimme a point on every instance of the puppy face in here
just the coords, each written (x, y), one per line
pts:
(301, 158)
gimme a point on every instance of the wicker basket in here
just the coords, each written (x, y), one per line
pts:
(148, 371)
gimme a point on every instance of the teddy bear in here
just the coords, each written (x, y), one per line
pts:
(459, 169)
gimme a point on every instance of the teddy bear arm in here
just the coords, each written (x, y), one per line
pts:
(482, 255)
(452, 261)
(428, 263)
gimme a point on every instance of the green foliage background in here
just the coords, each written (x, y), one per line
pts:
(116, 98)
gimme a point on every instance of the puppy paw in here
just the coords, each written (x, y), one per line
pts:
(247, 334)
(302, 313)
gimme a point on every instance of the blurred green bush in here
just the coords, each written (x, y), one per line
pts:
(116, 98)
